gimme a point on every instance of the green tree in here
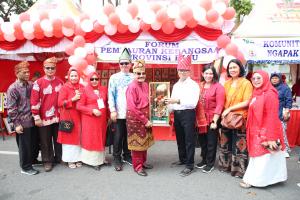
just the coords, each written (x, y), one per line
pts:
(242, 8)
(8, 7)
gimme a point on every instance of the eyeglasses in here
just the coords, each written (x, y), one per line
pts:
(140, 73)
(124, 63)
(50, 68)
(94, 79)
(183, 71)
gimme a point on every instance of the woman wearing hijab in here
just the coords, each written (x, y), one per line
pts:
(67, 99)
(265, 142)
(93, 108)
(139, 131)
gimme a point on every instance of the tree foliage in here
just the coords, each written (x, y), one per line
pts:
(242, 8)
(8, 7)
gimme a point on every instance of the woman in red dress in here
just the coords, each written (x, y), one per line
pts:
(93, 108)
(67, 99)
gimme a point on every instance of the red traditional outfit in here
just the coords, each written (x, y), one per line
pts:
(265, 167)
(93, 128)
(70, 141)
(44, 106)
(140, 138)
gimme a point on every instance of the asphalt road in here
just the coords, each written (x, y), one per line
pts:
(163, 182)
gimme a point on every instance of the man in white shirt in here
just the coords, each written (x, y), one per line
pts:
(183, 101)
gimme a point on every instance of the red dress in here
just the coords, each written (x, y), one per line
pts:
(66, 93)
(93, 128)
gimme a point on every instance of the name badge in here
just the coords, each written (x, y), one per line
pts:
(100, 103)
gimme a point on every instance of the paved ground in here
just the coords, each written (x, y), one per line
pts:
(163, 182)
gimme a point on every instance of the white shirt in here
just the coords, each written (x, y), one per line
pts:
(187, 92)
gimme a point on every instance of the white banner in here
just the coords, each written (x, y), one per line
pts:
(157, 52)
(278, 50)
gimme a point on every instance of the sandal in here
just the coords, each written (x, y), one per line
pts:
(71, 165)
(79, 164)
(245, 185)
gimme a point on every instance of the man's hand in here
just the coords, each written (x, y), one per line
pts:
(96, 112)
(19, 129)
(113, 116)
(38, 122)
(171, 101)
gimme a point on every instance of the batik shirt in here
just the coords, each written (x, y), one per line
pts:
(117, 87)
(44, 97)
(18, 104)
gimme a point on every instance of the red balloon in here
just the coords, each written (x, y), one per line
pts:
(231, 49)
(68, 22)
(122, 28)
(206, 4)
(114, 19)
(162, 16)
(79, 41)
(192, 23)
(229, 13)
(70, 49)
(98, 28)
(81, 64)
(186, 13)
(241, 57)
(91, 59)
(58, 33)
(38, 31)
(155, 6)
(133, 9)
(57, 24)
(168, 27)
(79, 31)
(222, 41)
(108, 9)
(24, 17)
(212, 16)
(43, 15)
(145, 27)
(1, 36)
(18, 31)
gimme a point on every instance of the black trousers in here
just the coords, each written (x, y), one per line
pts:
(27, 146)
(48, 140)
(208, 143)
(120, 140)
(184, 122)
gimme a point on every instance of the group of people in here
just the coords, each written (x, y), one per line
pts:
(198, 108)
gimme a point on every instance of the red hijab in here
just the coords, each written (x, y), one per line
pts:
(259, 94)
(74, 86)
(89, 81)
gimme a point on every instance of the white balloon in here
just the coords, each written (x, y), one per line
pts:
(1, 20)
(46, 25)
(67, 31)
(14, 18)
(72, 60)
(28, 36)
(199, 13)
(102, 19)
(89, 47)
(156, 25)
(134, 27)
(173, 11)
(220, 7)
(34, 17)
(89, 69)
(110, 29)
(80, 52)
(27, 27)
(7, 28)
(9, 37)
(125, 17)
(149, 17)
(179, 23)
(48, 33)
(87, 25)
(219, 23)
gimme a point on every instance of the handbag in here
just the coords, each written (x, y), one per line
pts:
(66, 125)
(233, 121)
(110, 133)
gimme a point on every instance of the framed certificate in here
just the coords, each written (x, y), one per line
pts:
(159, 114)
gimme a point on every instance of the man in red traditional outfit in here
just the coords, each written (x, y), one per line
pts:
(45, 112)
(139, 130)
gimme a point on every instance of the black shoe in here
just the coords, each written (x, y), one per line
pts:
(29, 172)
(186, 172)
(207, 169)
(142, 172)
(128, 161)
(147, 166)
(201, 165)
(97, 168)
(36, 162)
(118, 165)
(177, 163)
